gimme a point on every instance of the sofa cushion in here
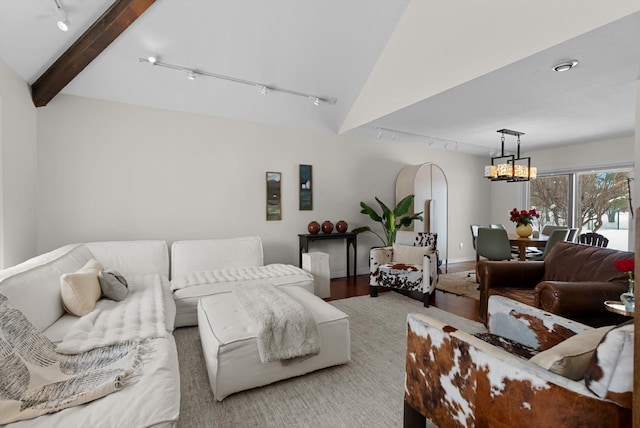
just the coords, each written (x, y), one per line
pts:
(409, 254)
(571, 357)
(610, 371)
(113, 285)
(80, 290)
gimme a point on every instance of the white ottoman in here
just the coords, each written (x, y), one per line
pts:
(231, 352)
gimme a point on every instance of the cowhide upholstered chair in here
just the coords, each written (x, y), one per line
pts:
(410, 264)
(578, 375)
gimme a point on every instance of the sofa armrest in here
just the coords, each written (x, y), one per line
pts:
(528, 325)
(506, 274)
(576, 298)
(380, 256)
(448, 369)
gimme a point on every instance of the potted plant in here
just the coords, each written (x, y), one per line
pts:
(391, 221)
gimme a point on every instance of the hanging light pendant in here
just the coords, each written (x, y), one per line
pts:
(511, 168)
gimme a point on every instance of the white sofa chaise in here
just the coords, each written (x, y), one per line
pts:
(152, 399)
(201, 268)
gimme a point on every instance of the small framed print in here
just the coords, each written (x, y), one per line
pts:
(306, 188)
(274, 200)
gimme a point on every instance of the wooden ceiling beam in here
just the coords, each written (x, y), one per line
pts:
(105, 30)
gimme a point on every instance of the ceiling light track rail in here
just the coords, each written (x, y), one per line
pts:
(447, 144)
(263, 88)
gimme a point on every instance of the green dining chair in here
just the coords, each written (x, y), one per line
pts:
(558, 235)
(493, 244)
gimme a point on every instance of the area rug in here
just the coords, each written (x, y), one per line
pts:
(459, 283)
(368, 391)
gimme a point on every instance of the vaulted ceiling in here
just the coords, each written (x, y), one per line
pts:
(446, 73)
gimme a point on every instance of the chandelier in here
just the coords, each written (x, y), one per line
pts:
(511, 168)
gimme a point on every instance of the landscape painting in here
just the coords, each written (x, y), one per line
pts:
(274, 202)
(306, 189)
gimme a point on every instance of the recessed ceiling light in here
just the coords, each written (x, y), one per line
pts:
(565, 65)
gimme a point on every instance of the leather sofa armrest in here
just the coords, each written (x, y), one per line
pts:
(571, 299)
(506, 274)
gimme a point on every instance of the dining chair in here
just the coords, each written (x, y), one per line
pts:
(558, 235)
(572, 234)
(474, 238)
(592, 238)
(493, 244)
(474, 234)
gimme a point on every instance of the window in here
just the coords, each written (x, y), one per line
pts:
(589, 201)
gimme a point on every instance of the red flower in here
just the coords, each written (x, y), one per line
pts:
(523, 217)
(626, 265)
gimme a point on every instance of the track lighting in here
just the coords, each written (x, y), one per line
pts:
(63, 21)
(262, 87)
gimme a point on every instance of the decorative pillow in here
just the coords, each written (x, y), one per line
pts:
(409, 254)
(570, 357)
(113, 284)
(81, 290)
(609, 373)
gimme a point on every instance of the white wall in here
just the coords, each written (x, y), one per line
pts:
(18, 163)
(114, 171)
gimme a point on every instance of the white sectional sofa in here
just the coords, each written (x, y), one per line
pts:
(201, 268)
(33, 287)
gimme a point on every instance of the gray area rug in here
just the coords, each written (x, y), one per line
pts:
(367, 392)
(459, 283)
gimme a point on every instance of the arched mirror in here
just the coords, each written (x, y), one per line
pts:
(429, 183)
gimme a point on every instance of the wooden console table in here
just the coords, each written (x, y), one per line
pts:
(352, 240)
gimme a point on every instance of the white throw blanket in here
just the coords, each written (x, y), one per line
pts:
(275, 270)
(139, 316)
(286, 329)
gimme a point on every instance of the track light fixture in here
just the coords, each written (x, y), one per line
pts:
(262, 87)
(63, 21)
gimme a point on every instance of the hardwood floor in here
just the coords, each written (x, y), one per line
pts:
(342, 288)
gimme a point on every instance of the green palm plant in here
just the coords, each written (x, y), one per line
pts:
(391, 221)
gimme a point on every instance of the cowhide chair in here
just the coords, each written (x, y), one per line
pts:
(410, 264)
(578, 376)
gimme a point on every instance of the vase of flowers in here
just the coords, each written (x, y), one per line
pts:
(627, 266)
(524, 221)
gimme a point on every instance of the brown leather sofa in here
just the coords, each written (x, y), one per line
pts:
(573, 281)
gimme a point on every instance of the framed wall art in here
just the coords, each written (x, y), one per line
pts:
(274, 200)
(306, 188)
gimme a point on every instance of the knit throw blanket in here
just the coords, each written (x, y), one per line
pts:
(285, 328)
(35, 379)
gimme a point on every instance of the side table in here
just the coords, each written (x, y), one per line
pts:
(351, 238)
(617, 307)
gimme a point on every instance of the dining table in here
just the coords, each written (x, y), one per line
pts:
(524, 243)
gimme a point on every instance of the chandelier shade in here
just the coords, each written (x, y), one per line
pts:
(511, 168)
